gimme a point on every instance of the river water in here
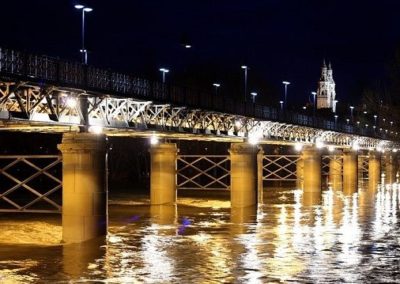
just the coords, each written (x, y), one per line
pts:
(347, 239)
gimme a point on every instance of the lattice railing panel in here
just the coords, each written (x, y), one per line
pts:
(363, 166)
(326, 164)
(280, 167)
(30, 184)
(203, 172)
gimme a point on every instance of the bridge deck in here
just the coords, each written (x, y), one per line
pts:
(41, 93)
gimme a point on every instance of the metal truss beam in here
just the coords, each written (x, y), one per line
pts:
(32, 107)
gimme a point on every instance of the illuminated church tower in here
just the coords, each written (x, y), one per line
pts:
(326, 89)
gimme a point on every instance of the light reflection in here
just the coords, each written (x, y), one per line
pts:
(284, 240)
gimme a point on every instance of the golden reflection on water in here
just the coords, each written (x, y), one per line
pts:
(291, 237)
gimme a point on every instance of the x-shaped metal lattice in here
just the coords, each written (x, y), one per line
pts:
(363, 166)
(30, 184)
(327, 164)
(280, 167)
(203, 172)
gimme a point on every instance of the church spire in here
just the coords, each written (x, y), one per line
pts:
(326, 93)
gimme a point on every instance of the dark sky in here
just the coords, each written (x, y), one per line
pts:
(278, 39)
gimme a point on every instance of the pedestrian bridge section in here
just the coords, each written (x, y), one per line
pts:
(44, 94)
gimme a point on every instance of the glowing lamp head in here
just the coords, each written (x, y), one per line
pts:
(71, 102)
(244, 67)
(298, 147)
(355, 146)
(253, 140)
(95, 129)
(87, 9)
(238, 123)
(79, 7)
(164, 70)
(319, 144)
(154, 140)
(285, 82)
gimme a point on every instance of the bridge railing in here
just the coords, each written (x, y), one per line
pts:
(46, 69)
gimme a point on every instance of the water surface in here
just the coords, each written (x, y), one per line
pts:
(353, 239)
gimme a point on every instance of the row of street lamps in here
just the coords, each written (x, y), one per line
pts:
(164, 70)
(245, 68)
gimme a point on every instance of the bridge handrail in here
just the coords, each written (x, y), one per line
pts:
(45, 69)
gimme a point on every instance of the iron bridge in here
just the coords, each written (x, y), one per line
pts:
(44, 94)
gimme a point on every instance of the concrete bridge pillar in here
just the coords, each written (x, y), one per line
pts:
(390, 168)
(311, 179)
(300, 173)
(244, 175)
(335, 172)
(163, 173)
(84, 211)
(350, 171)
(311, 157)
(374, 168)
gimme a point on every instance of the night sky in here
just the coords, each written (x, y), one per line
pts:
(278, 40)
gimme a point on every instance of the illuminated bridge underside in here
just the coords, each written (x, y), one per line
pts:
(33, 107)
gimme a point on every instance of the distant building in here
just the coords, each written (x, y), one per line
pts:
(326, 93)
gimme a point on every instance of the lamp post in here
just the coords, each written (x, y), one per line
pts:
(216, 85)
(375, 118)
(334, 105)
(164, 71)
(253, 95)
(281, 102)
(245, 68)
(336, 117)
(285, 83)
(83, 49)
(314, 103)
(351, 113)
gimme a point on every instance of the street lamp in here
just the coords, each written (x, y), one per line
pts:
(216, 85)
(253, 94)
(164, 71)
(285, 83)
(375, 118)
(314, 102)
(281, 102)
(336, 117)
(351, 113)
(245, 68)
(83, 50)
(334, 105)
